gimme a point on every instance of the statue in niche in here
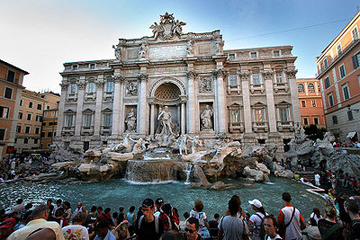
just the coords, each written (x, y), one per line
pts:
(205, 85)
(143, 50)
(206, 118)
(131, 88)
(219, 47)
(165, 117)
(190, 47)
(130, 121)
(117, 52)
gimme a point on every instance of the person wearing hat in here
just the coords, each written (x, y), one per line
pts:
(6, 228)
(256, 219)
(149, 226)
(158, 204)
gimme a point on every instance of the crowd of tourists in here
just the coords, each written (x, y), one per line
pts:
(159, 220)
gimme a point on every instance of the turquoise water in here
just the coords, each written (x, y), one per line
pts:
(119, 192)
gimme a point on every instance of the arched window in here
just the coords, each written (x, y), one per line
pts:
(311, 87)
(300, 88)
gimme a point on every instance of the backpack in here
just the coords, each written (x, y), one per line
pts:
(262, 229)
(170, 217)
(156, 223)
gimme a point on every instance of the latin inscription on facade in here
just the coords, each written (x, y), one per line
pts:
(163, 52)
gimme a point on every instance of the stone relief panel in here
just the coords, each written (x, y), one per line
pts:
(163, 52)
(205, 85)
(132, 53)
(131, 88)
(204, 49)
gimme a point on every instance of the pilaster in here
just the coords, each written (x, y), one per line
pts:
(291, 75)
(79, 106)
(98, 106)
(245, 82)
(269, 89)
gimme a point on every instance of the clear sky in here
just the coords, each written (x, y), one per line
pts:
(40, 35)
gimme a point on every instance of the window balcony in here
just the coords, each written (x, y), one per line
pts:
(236, 127)
(108, 96)
(90, 96)
(257, 87)
(68, 131)
(105, 130)
(72, 97)
(285, 126)
(260, 126)
(281, 87)
(87, 130)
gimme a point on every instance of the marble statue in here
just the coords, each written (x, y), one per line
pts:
(143, 50)
(165, 117)
(130, 121)
(190, 47)
(131, 88)
(195, 144)
(117, 52)
(206, 116)
(183, 144)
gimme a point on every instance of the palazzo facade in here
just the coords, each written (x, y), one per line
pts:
(249, 95)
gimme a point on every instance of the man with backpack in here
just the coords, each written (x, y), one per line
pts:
(167, 214)
(149, 227)
(290, 220)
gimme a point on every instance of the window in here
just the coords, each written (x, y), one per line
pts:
(313, 103)
(339, 49)
(20, 115)
(91, 87)
(36, 141)
(73, 88)
(277, 53)
(4, 112)
(356, 60)
(306, 121)
(92, 66)
(316, 121)
(2, 134)
(30, 104)
(355, 33)
(37, 130)
(38, 118)
(53, 114)
(326, 64)
(88, 119)
(47, 107)
(311, 88)
(107, 120)
(279, 77)
(27, 129)
(20, 102)
(235, 116)
(75, 67)
(350, 115)
(110, 86)
(29, 117)
(44, 123)
(327, 82)
(331, 100)
(54, 134)
(233, 80)
(284, 116)
(26, 141)
(38, 107)
(42, 134)
(45, 114)
(69, 120)
(300, 88)
(303, 104)
(342, 71)
(231, 56)
(10, 76)
(346, 92)
(8, 93)
(18, 129)
(256, 78)
(334, 119)
(49, 134)
(253, 55)
(259, 115)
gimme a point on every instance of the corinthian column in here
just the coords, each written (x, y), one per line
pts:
(99, 93)
(220, 74)
(291, 75)
(118, 80)
(79, 106)
(269, 86)
(142, 120)
(191, 104)
(245, 85)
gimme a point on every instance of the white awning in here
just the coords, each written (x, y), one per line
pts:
(351, 134)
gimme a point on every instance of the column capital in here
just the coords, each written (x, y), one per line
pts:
(220, 73)
(245, 76)
(191, 74)
(118, 79)
(99, 83)
(64, 86)
(81, 85)
(291, 73)
(143, 77)
(268, 75)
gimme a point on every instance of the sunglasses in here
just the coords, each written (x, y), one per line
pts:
(190, 230)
